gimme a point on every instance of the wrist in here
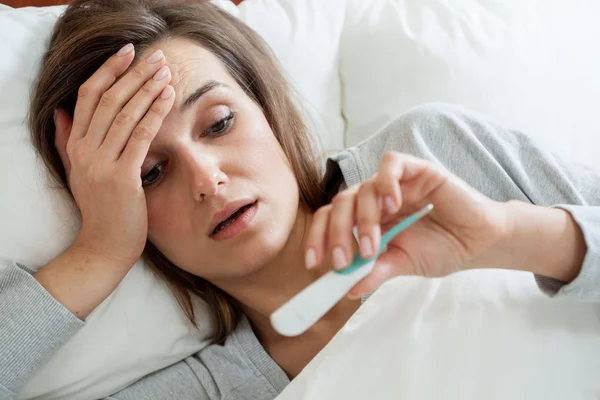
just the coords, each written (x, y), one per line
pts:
(94, 250)
(80, 279)
(543, 240)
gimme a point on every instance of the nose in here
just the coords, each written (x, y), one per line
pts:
(205, 176)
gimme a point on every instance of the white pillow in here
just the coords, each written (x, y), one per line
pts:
(305, 36)
(531, 64)
(140, 327)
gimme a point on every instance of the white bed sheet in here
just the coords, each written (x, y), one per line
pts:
(475, 335)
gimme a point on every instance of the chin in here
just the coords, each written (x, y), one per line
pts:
(249, 257)
(253, 250)
(243, 256)
(257, 254)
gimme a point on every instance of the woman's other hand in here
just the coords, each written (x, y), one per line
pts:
(455, 235)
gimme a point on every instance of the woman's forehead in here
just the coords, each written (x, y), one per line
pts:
(192, 68)
(190, 64)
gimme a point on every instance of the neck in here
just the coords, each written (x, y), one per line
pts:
(273, 285)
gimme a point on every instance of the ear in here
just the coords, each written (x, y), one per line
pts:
(63, 123)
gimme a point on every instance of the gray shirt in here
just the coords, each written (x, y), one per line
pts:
(502, 164)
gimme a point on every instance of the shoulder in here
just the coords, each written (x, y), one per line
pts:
(402, 134)
(430, 125)
(433, 131)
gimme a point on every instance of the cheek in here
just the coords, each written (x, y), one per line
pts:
(264, 151)
(163, 224)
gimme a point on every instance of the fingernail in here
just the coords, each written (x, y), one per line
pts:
(339, 258)
(390, 204)
(353, 296)
(310, 259)
(376, 236)
(128, 48)
(161, 73)
(155, 57)
(167, 92)
(366, 247)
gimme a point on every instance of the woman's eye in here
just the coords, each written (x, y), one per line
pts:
(153, 176)
(221, 126)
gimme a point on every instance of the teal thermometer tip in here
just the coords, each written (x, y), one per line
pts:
(358, 261)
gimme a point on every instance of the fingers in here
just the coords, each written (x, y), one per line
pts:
(341, 222)
(129, 117)
(316, 241)
(139, 141)
(331, 233)
(417, 178)
(114, 99)
(90, 92)
(368, 219)
(390, 171)
(401, 179)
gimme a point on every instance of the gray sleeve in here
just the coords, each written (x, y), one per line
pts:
(33, 325)
(501, 163)
(178, 381)
(239, 369)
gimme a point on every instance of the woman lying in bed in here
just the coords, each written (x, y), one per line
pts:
(176, 133)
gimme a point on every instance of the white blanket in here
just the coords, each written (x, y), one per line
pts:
(475, 335)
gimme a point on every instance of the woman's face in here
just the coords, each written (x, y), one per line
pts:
(216, 156)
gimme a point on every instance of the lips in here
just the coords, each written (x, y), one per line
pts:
(228, 215)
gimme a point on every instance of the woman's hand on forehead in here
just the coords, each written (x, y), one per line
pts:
(119, 111)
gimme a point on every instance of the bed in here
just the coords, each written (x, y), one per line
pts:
(357, 64)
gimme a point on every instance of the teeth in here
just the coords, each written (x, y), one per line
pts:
(225, 224)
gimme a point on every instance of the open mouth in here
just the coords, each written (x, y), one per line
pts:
(232, 218)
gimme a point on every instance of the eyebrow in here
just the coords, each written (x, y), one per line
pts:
(202, 90)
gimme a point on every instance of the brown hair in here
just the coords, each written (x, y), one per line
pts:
(90, 31)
